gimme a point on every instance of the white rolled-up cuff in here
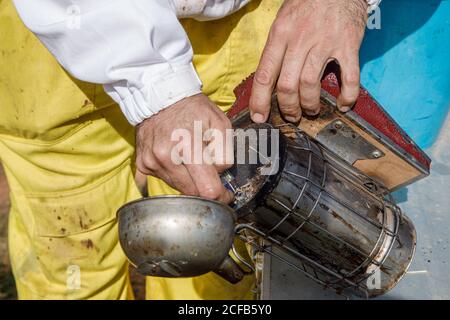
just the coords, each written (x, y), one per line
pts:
(207, 9)
(158, 92)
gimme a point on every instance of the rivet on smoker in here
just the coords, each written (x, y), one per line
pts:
(376, 154)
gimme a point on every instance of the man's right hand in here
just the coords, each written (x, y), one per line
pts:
(154, 148)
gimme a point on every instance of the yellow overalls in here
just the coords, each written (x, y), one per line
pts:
(68, 154)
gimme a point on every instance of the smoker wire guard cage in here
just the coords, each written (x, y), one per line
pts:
(294, 219)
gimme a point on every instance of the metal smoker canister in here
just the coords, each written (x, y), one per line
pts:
(337, 225)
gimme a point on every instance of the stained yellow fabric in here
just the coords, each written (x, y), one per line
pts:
(67, 152)
(68, 155)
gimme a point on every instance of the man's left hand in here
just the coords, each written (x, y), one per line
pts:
(306, 35)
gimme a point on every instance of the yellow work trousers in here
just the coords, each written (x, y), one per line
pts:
(68, 154)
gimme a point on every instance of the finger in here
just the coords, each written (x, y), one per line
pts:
(266, 75)
(141, 182)
(180, 179)
(219, 148)
(310, 85)
(350, 79)
(156, 172)
(146, 163)
(288, 83)
(171, 170)
(208, 183)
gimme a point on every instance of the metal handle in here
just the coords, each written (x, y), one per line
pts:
(230, 270)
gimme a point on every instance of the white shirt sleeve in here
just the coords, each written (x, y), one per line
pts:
(207, 9)
(136, 48)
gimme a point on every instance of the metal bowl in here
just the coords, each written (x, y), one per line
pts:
(176, 236)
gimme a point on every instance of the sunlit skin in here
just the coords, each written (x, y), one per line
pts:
(304, 37)
(154, 147)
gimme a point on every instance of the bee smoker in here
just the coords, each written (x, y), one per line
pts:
(328, 208)
(323, 201)
(339, 226)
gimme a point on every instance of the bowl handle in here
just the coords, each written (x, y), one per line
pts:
(230, 270)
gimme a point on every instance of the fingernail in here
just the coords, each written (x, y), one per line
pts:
(258, 117)
(291, 119)
(344, 109)
(312, 112)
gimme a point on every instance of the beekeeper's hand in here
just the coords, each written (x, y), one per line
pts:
(305, 36)
(166, 145)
